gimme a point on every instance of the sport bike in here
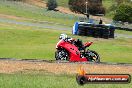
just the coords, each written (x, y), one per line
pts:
(69, 49)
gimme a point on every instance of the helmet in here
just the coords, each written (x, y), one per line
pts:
(63, 36)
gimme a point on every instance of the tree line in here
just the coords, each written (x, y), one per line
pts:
(122, 8)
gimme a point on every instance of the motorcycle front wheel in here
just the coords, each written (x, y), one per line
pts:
(93, 56)
(62, 55)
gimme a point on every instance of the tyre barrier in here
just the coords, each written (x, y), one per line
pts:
(97, 31)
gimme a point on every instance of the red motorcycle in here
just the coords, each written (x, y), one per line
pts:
(69, 49)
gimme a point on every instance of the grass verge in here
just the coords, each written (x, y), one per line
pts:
(29, 42)
(124, 32)
(20, 9)
(48, 81)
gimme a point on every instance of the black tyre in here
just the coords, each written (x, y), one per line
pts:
(62, 54)
(81, 80)
(93, 56)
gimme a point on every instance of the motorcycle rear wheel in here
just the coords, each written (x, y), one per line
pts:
(62, 55)
(93, 56)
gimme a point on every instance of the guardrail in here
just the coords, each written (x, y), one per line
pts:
(123, 25)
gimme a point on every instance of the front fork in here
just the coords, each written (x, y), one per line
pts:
(89, 55)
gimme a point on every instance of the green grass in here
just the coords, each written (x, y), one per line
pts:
(107, 3)
(21, 42)
(63, 3)
(114, 50)
(48, 81)
(33, 12)
(124, 32)
(30, 42)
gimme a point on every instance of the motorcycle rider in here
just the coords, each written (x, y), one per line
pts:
(63, 36)
(66, 38)
(77, 42)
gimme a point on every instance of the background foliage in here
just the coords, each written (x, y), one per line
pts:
(123, 13)
(51, 4)
(79, 6)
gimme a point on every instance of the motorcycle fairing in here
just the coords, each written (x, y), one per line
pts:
(73, 51)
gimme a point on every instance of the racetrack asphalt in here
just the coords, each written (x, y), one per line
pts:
(44, 24)
(49, 25)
